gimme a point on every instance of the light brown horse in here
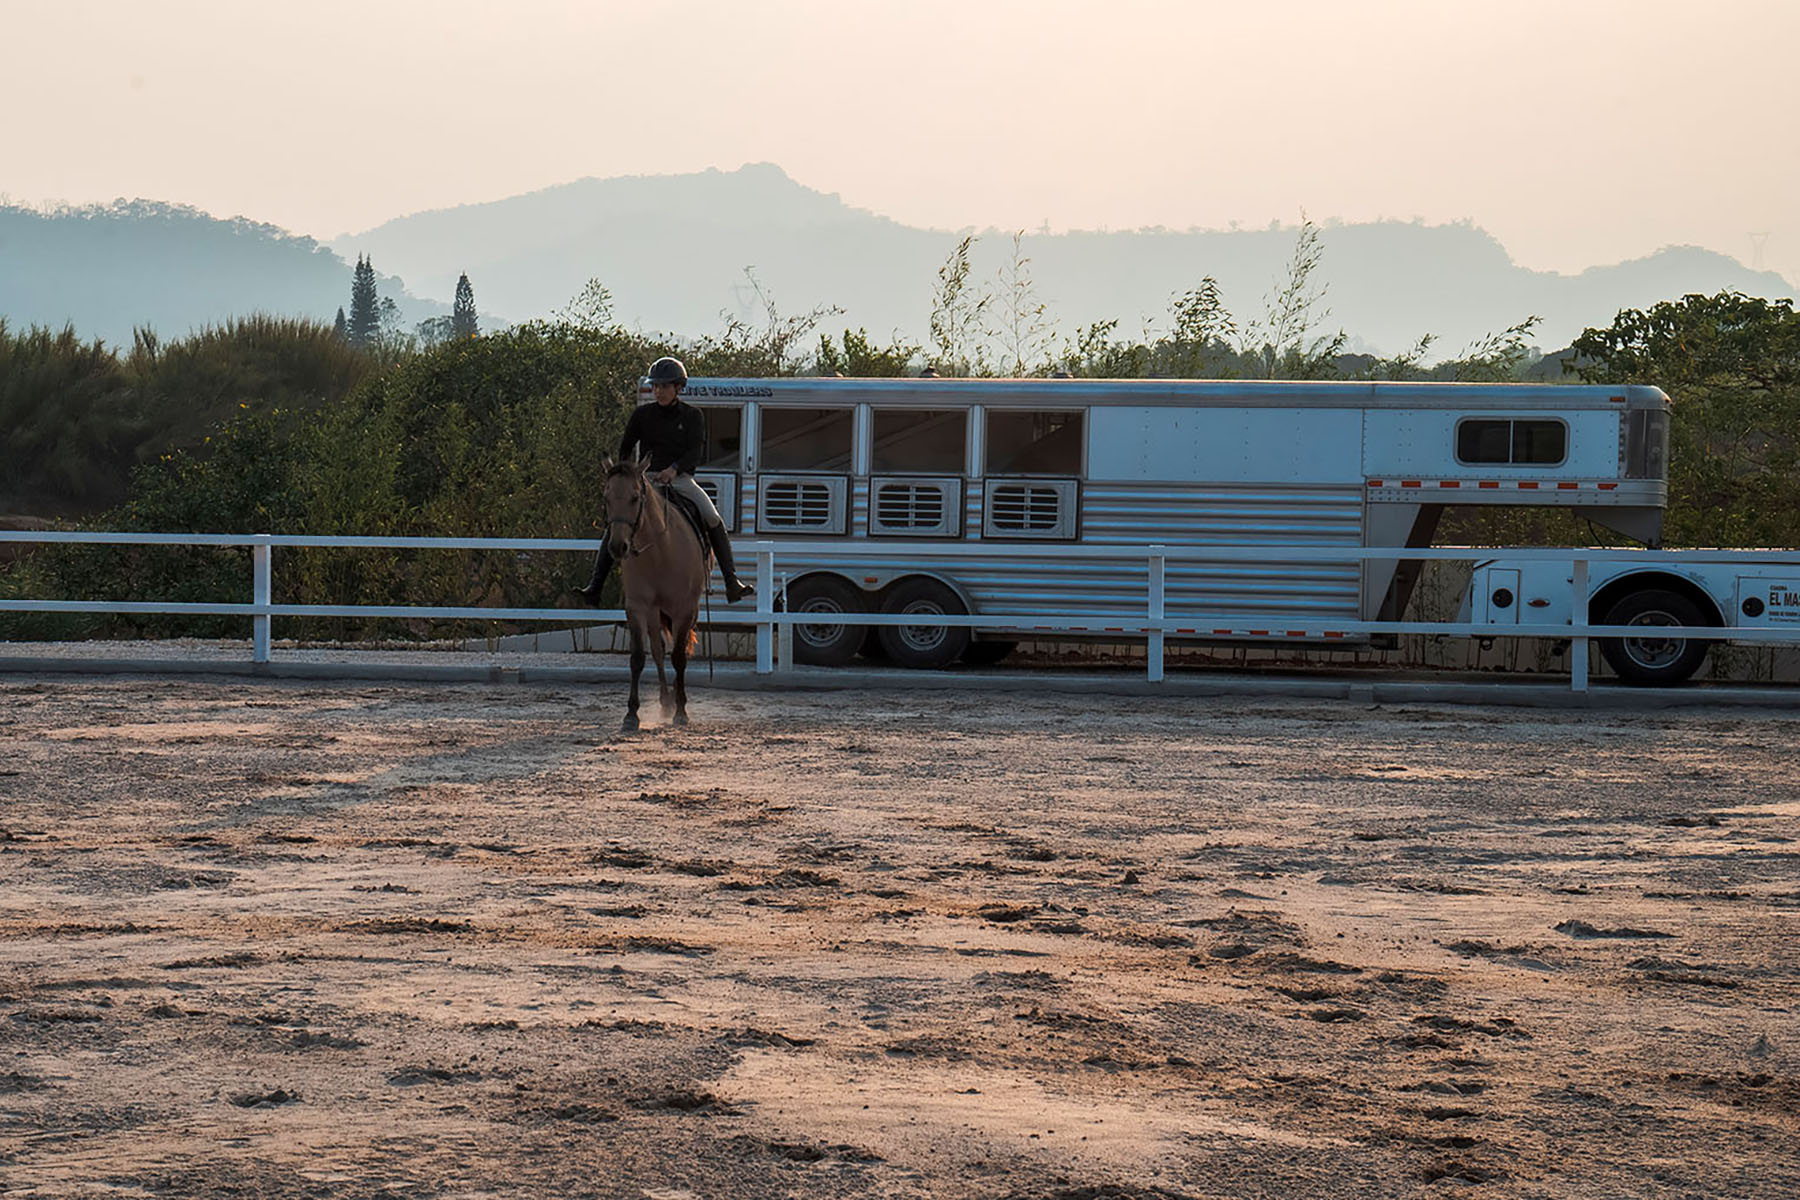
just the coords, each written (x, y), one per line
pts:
(663, 569)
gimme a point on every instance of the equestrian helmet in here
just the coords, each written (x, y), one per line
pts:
(668, 370)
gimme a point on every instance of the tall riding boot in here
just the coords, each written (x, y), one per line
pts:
(602, 568)
(735, 588)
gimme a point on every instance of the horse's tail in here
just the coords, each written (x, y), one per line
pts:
(693, 637)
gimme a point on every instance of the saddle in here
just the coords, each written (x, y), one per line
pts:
(685, 507)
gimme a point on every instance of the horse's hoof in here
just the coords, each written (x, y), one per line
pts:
(630, 724)
(681, 716)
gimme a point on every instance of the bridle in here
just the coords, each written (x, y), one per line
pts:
(631, 526)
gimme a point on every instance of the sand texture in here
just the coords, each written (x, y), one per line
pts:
(278, 939)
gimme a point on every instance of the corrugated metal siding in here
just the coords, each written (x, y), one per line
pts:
(1178, 517)
(1171, 514)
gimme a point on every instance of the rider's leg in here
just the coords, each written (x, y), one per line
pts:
(735, 588)
(602, 566)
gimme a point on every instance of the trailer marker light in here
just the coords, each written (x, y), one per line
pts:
(1406, 483)
(1296, 633)
(1488, 483)
(1223, 632)
(1564, 487)
(1449, 483)
(1530, 487)
(1374, 483)
(1607, 487)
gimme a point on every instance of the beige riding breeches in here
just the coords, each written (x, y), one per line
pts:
(688, 486)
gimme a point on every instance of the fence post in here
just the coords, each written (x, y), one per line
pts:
(1578, 647)
(765, 607)
(260, 595)
(1153, 649)
(784, 637)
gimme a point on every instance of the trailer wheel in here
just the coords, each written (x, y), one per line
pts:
(987, 654)
(924, 647)
(826, 645)
(1651, 660)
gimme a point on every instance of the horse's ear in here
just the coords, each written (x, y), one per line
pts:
(606, 466)
(643, 465)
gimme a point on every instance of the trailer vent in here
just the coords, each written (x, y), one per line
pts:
(802, 505)
(1038, 508)
(915, 507)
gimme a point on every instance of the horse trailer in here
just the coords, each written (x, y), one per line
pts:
(890, 468)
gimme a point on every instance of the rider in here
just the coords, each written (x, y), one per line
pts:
(672, 434)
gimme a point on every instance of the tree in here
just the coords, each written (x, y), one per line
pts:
(365, 305)
(591, 308)
(1731, 364)
(1282, 345)
(463, 321)
(432, 331)
(1200, 345)
(956, 317)
(861, 358)
(1024, 328)
(745, 349)
(340, 328)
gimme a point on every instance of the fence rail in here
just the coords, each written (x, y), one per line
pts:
(774, 628)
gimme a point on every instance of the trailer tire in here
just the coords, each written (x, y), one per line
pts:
(826, 645)
(924, 647)
(1653, 661)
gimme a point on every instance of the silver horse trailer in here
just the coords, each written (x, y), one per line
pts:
(892, 467)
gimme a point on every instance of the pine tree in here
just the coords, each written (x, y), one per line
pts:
(463, 323)
(341, 327)
(365, 305)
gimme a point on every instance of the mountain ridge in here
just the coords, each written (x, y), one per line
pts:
(673, 250)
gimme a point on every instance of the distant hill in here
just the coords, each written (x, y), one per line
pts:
(673, 250)
(109, 268)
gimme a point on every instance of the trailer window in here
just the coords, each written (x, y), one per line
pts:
(1489, 440)
(806, 439)
(1034, 443)
(724, 437)
(920, 442)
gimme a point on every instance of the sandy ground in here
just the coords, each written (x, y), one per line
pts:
(281, 939)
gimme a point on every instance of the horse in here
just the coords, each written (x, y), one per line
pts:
(662, 569)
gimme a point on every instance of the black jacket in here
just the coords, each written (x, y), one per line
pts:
(673, 435)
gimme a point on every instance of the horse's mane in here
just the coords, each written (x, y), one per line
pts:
(624, 467)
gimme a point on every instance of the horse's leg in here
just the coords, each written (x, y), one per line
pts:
(637, 668)
(657, 633)
(679, 653)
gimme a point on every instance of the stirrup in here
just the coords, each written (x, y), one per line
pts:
(736, 589)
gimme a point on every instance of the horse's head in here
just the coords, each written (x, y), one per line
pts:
(623, 495)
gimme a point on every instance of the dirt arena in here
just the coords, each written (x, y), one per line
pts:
(283, 939)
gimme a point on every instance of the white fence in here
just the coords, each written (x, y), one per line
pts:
(1148, 620)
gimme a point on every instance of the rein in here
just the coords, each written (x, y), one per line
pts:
(632, 549)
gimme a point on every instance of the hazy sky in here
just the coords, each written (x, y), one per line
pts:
(1576, 131)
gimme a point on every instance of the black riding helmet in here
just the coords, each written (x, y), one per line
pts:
(668, 370)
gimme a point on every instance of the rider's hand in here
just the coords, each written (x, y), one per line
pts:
(666, 475)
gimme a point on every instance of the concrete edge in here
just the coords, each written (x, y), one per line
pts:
(739, 677)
